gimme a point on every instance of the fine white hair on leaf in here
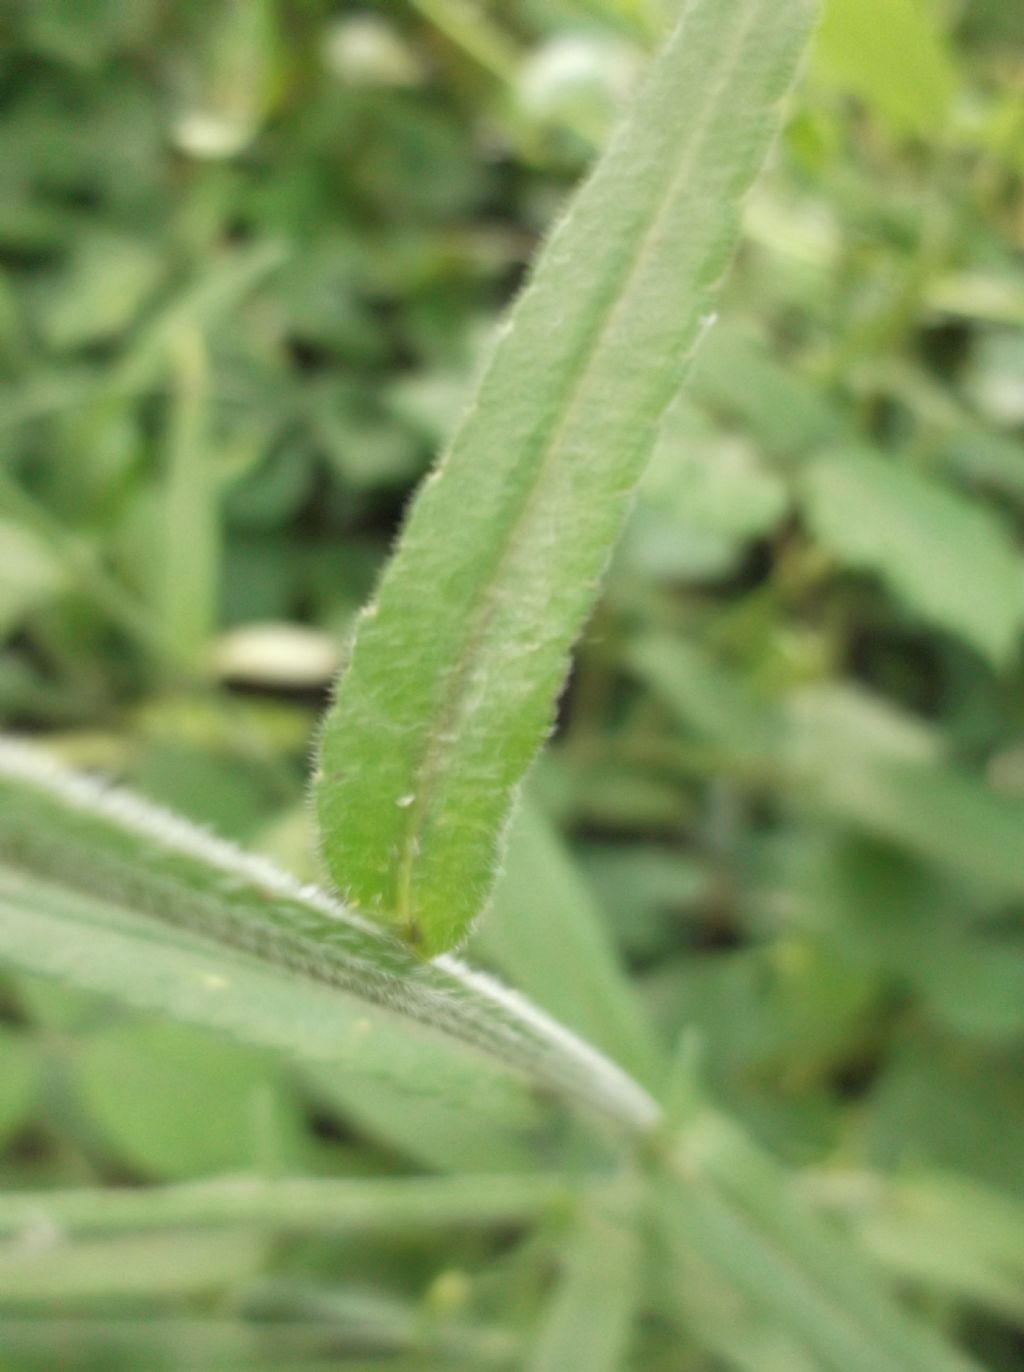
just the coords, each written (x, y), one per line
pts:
(181, 875)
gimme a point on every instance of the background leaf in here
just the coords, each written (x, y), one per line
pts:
(891, 53)
(17, 1081)
(730, 1203)
(176, 1104)
(591, 1310)
(945, 557)
(540, 901)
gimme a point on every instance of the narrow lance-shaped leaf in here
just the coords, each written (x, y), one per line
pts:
(721, 1197)
(320, 1205)
(542, 902)
(456, 665)
(589, 1321)
(100, 889)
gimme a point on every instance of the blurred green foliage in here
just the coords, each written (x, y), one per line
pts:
(251, 252)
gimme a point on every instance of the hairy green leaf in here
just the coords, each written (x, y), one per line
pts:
(456, 664)
(101, 890)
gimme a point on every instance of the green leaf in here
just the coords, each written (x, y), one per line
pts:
(728, 1202)
(507, 1133)
(102, 290)
(708, 698)
(180, 1104)
(280, 1326)
(974, 983)
(160, 1266)
(909, 922)
(357, 1318)
(706, 1308)
(326, 1206)
(737, 377)
(214, 293)
(892, 54)
(456, 665)
(17, 1081)
(852, 755)
(939, 1104)
(50, 930)
(944, 555)
(868, 763)
(712, 481)
(938, 1231)
(591, 1313)
(101, 890)
(471, 30)
(30, 576)
(543, 917)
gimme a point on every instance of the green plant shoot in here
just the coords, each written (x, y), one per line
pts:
(457, 663)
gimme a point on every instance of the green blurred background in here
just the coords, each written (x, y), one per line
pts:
(252, 253)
